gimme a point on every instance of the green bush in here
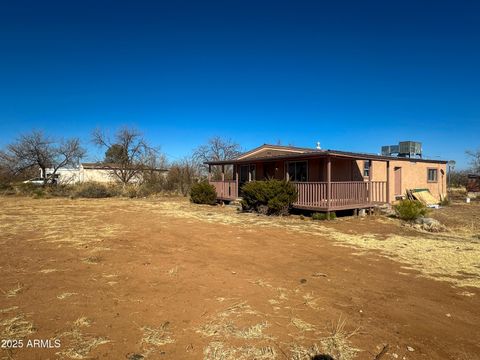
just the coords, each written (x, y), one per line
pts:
(271, 197)
(410, 209)
(203, 193)
(324, 216)
(94, 190)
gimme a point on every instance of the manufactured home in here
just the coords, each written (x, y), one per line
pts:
(330, 180)
(92, 172)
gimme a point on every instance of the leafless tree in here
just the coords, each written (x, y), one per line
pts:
(38, 150)
(128, 155)
(474, 160)
(216, 149)
(182, 175)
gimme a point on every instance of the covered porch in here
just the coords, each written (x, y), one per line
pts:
(323, 182)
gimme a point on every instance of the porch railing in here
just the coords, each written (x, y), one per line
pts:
(227, 189)
(342, 193)
(315, 194)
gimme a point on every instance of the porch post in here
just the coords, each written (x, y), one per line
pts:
(236, 181)
(369, 181)
(223, 172)
(388, 182)
(249, 172)
(329, 185)
(209, 172)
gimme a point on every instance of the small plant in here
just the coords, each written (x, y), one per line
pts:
(324, 216)
(203, 193)
(410, 209)
(270, 197)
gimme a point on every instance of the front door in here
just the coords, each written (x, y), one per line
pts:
(398, 181)
(243, 178)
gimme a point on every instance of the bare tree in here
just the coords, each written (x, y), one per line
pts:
(216, 149)
(474, 160)
(128, 155)
(182, 175)
(37, 150)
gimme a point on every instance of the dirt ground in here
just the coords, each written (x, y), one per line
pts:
(165, 279)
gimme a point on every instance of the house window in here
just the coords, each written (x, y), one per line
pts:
(432, 175)
(366, 168)
(297, 171)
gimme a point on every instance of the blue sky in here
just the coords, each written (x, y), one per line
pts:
(352, 75)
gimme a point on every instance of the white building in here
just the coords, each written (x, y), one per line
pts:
(89, 172)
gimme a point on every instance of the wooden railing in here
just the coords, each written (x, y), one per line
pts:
(227, 189)
(314, 195)
(343, 194)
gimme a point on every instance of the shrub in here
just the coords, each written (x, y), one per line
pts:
(29, 189)
(323, 216)
(410, 209)
(94, 190)
(203, 193)
(272, 197)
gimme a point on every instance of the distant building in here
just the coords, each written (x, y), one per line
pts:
(90, 172)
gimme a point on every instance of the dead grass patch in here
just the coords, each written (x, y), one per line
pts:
(157, 336)
(299, 352)
(219, 351)
(15, 291)
(82, 322)
(173, 272)
(337, 343)
(47, 271)
(80, 345)
(65, 295)
(2, 311)
(92, 260)
(16, 328)
(302, 325)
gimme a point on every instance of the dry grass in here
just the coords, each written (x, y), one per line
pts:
(15, 291)
(16, 328)
(219, 351)
(157, 336)
(302, 325)
(299, 352)
(337, 343)
(82, 322)
(65, 295)
(48, 271)
(92, 260)
(2, 311)
(173, 272)
(50, 220)
(80, 345)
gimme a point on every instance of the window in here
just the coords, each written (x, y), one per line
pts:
(366, 168)
(432, 175)
(297, 171)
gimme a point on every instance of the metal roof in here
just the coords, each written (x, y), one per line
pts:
(314, 153)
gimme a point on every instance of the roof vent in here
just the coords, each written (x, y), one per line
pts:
(318, 146)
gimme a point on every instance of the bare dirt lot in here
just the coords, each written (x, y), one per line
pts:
(164, 279)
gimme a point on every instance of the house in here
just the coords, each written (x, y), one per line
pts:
(92, 172)
(330, 180)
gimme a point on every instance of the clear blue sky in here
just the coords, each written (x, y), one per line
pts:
(352, 75)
